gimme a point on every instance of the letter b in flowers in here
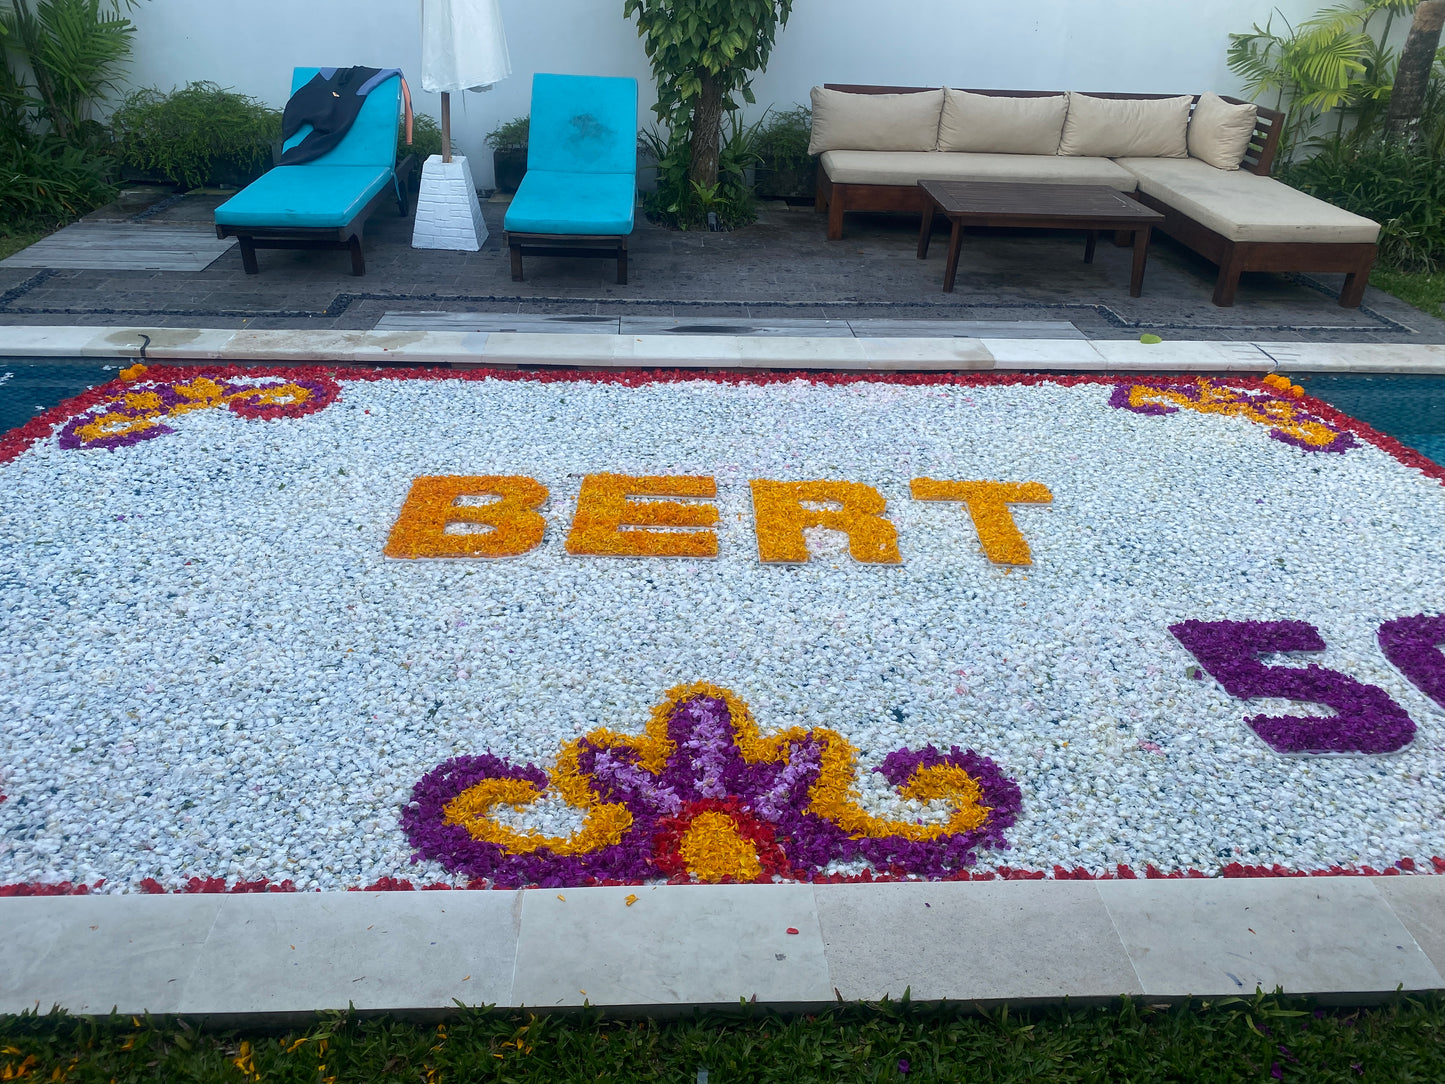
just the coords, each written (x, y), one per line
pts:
(1366, 719)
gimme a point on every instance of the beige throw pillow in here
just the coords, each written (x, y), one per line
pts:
(1000, 124)
(1219, 132)
(874, 122)
(1126, 127)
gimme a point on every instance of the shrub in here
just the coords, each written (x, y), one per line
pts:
(45, 182)
(785, 167)
(510, 135)
(1400, 187)
(684, 204)
(426, 138)
(202, 134)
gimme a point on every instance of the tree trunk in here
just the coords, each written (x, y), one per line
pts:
(1407, 99)
(707, 129)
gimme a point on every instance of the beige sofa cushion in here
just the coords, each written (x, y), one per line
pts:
(1243, 206)
(1001, 124)
(908, 168)
(1219, 132)
(1127, 128)
(874, 122)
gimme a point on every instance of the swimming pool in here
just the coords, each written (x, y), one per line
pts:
(1409, 408)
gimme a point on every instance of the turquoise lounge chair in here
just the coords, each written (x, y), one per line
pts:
(581, 182)
(324, 203)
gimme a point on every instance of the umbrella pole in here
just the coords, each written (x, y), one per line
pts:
(446, 127)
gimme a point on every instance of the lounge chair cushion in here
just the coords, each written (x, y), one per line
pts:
(1001, 124)
(1243, 206)
(874, 122)
(582, 203)
(314, 195)
(1219, 132)
(908, 168)
(583, 124)
(1127, 127)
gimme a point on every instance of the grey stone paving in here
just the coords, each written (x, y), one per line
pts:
(781, 268)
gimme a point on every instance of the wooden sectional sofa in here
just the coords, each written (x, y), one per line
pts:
(1241, 219)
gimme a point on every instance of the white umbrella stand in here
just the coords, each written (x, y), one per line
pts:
(462, 48)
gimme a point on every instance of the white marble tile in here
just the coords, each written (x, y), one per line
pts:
(376, 950)
(1419, 903)
(1324, 935)
(676, 945)
(49, 342)
(1044, 354)
(1422, 358)
(1131, 355)
(92, 954)
(980, 940)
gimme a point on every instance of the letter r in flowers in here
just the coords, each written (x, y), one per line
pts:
(1366, 719)
(603, 511)
(780, 515)
(988, 506)
(513, 523)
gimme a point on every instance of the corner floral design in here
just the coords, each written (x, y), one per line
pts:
(1272, 406)
(703, 795)
(138, 413)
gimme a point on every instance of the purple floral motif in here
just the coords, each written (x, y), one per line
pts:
(705, 769)
(1413, 645)
(1366, 719)
(1287, 418)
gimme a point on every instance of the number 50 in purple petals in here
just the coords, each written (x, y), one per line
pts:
(1366, 719)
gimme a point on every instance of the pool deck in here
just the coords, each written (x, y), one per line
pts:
(775, 296)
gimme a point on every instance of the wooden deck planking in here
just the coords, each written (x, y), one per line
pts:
(123, 246)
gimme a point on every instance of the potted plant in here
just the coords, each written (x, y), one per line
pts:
(509, 152)
(785, 169)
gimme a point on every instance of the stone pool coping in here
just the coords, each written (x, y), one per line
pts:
(508, 349)
(269, 958)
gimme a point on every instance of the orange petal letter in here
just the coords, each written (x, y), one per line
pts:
(781, 518)
(988, 505)
(603, 510)
(431, 507)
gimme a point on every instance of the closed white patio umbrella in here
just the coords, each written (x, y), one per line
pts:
(462, 48)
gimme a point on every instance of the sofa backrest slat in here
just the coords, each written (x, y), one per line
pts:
(1263, 144)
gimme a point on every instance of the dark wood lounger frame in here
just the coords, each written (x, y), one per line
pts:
(604, 245)
(330, 237)
(1233, 257)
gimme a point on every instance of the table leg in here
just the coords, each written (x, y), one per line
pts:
(925, 231)
(955, 244)
(1141, 253)
(1091, 238)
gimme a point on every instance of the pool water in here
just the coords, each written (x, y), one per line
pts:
(1409, 408)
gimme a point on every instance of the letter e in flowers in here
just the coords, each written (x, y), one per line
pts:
(603, 511)
(781, 517)
(511, 524)
(1366, 719)
(988, 506)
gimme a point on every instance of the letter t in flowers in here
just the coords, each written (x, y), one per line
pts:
(988, 505)
(778, 509)
(515, 526)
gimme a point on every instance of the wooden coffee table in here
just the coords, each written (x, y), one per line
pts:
(1088, 207)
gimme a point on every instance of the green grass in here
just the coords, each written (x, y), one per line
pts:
(12, 243)
(1263, 1038)
(1425, 291)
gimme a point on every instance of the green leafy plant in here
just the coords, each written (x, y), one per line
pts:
(46, 182)
(703, 53)
(683, 203)
(786, 168)
(73, 50)
(426, 138)
(509, 135)
(1332, 62)
(1400, 187)
(200, 134)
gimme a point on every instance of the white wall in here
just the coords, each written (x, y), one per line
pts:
(1123, 45)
